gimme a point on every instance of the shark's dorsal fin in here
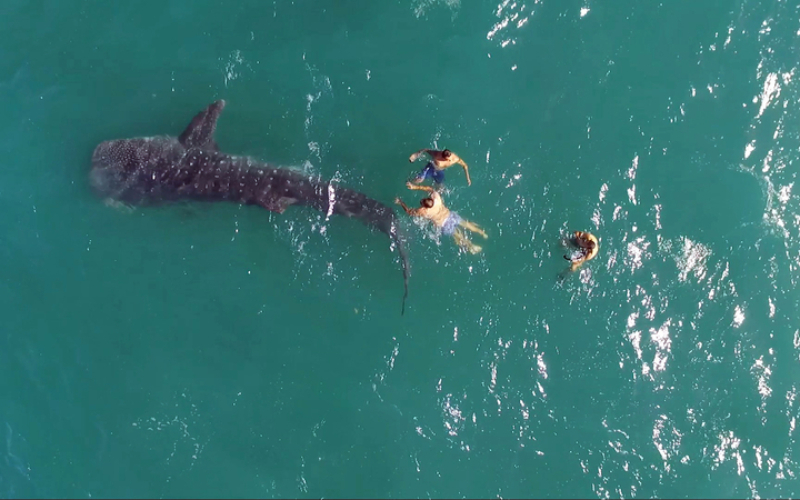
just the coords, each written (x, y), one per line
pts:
(200, 133)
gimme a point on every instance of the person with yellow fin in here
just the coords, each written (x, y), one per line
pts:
(587, 247)
(584, 248)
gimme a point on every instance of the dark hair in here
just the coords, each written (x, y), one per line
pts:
(446, 153)
(426, 202)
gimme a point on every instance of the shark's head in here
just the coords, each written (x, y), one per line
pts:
(116, 162)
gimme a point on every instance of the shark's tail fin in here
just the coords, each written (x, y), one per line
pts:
(369, 211)
(398, 240)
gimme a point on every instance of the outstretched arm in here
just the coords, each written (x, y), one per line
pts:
(466, 170)
(417, 187)
(416, 155)
(409, 211)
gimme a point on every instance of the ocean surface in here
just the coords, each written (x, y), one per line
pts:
(214, 350)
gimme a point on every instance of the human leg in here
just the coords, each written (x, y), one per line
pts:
(463, 242)
(427, 171)
(472, 227)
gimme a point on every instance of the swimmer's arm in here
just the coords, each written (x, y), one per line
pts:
(409, 211)
(466, 170)
(417, 187)
(416, 155)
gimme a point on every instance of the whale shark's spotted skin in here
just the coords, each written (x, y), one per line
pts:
(148, 170)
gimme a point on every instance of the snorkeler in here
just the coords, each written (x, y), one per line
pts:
(440, 160)
(433, 209)
(587, 246)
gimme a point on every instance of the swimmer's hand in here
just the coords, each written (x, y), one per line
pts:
(398, 201)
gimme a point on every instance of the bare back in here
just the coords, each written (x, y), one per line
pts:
(595, 248)
(438, 213)
(440, 161)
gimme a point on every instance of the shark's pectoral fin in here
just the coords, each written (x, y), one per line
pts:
(118, 205)
(278, 203)
(200, 132)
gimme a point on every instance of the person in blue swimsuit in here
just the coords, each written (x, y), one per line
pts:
(440, 160)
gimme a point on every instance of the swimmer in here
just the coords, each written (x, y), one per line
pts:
(440, 160)
(433, 209)
(588, 247)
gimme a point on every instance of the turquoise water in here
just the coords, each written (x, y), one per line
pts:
(218, 350)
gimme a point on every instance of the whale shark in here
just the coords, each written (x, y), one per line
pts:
(158, 169)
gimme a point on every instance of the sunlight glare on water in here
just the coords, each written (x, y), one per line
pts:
(221, 350)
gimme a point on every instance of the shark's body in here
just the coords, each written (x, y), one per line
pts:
(165, 168)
